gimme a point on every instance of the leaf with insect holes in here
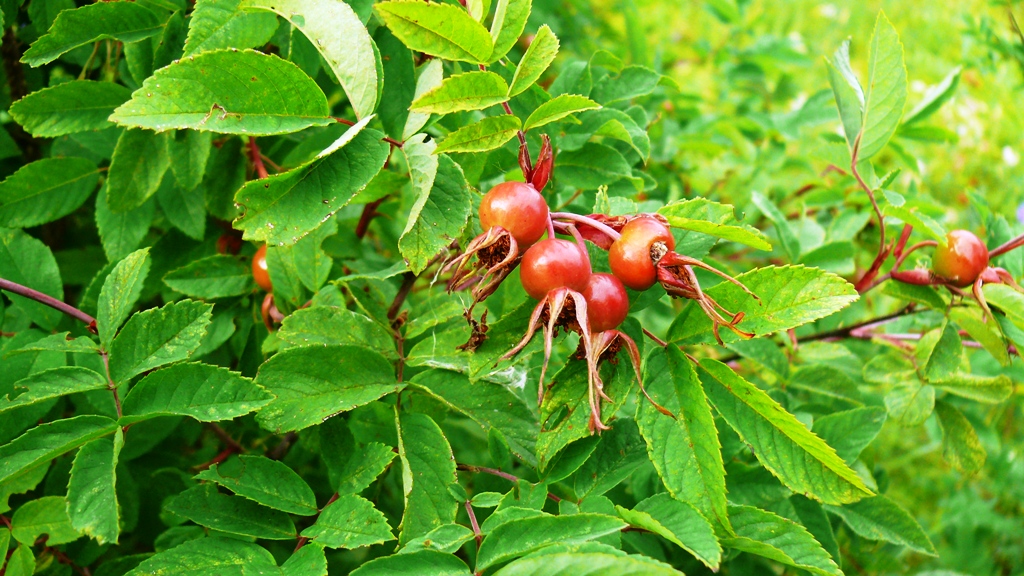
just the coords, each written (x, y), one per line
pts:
(227, 91)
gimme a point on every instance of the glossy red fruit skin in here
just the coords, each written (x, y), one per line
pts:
(607, 302)
(960, 259)
(553, 263)
(518, 208)
(259, 269)
(630, 255)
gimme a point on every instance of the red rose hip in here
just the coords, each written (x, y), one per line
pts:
(553, 263)
(518, 208)
(259, 269)
(607, 302)
(630, 255)
(960, 259)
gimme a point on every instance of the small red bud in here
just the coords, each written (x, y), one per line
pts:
(545, 163)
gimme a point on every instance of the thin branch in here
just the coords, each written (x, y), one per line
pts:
(1012, 244)
(50, 301)
(476, 526)
(883, 250)
(588, 221)
(408, 279)
(657, 340)
(278, 452)
(499, 474)
(257, 158)
(369, 211)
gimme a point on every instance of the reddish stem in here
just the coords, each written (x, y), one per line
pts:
(473, 522)
(883, 250)
(257, 159)
(369, 211)
(1012, 244)
(50, 301)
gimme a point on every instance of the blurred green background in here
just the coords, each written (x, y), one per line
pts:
(754, 111)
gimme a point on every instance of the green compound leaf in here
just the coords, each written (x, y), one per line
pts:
(47, 515)
(790, 296)
(349, 522)
(92, 501)
(201, 391)
(790, 451)
(887, 89)
(679, 523)
(491, 405)
(616, 457)
(121, 21)
(158, 336)
(602, 563)
(524, 535)
(217, 276)
(120, 292)
(138, 166)
(227, 91)
(216, 24)
(765, 534)
(285, 207)
(879, 518)
(52, 383)
(438, 217)
(460, 92)
(558, 108)
(76, 106)
(265, 481)
(428, 469)
(714, 219)
(685, 451)
(336, 31)
(1008, 300)
(433, 562)
(232, 514)
(45, 190)
(961, 446)
(211, 555)
(329, 325)
(313, 383)
(442, 30)
(47, 441)
(487, 134)
(509, 21)
(538, 57)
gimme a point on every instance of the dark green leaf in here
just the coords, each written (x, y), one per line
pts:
(851, 431)
(349, 522)
(47, 441)
(124, 22)
(879, 518)
(92, 502)
(47, 515)
(328, 325)
(265, 481)
(206, 556)
(522, 536)
(120, 292)
(217, 276)
(76, 106)
(216, 24)
(136, 170)
(27, 261)
(232, 514)
(765, 534)
(201, 391)
(679, 523)
(158, 336)
(52, 383)
(431, 562)
(428, 469)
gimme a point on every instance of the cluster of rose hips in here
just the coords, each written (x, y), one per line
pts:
(960, 261)
(557, 273)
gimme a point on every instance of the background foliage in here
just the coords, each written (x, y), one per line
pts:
(181, 436)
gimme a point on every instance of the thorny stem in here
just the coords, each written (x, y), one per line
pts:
(883, 250)
(587, 221)
(50, 301)
(1012, 244)
(257, 159)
